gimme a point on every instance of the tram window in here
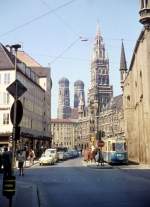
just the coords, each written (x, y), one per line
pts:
(113, 146)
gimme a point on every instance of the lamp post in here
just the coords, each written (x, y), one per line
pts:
(15, 47)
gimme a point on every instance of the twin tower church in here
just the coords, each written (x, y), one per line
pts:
(100, 89)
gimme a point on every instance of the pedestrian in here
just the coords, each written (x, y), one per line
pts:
(7, 162)
(99, 158)
(31, 156)
(86, 152)
(21, 160)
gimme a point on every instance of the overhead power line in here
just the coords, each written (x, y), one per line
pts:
(65, 50)
(37, 18)
(67, 25)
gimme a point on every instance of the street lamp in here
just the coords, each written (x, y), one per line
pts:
(15, 47)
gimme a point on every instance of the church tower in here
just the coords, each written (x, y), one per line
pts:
(64, 110)
(145, 12)
(100, 89)
(78, 92)
(123, 66)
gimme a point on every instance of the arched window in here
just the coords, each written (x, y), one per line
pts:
(128, 98)
(140, 74)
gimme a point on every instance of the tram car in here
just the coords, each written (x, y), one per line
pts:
(114, 151)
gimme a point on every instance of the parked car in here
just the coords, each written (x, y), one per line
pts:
(46, 159)
(53, 153)
(61, 156)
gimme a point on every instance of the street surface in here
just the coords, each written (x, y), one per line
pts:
(70, 183)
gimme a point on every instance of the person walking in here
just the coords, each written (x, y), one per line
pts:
(21, 160)
(31, 157)
(7, 162)
(99, 158)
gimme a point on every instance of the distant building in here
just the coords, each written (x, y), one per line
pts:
(100, 89)
(136, 93)
(104, 112)
(64, 110)
(78, 93)
(36, 101)
(64, 132)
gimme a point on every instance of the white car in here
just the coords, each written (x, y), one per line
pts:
(46, 160)
(53, 153)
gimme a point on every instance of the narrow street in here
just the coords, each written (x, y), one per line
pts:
(70, 183)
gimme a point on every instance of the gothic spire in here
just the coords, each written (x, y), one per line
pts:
(123, 64)
(98, 30)
(99, 48)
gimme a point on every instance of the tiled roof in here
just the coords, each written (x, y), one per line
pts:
(28, 60)
(6, 60)
(115, 103)
(41, 71)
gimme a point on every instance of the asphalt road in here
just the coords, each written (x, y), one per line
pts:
(70, 184)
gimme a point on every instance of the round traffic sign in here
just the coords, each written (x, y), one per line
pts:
(100, 143)
(19, 113)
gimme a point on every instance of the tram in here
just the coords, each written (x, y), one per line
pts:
(114, 151)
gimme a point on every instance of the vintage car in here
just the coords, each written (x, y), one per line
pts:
(46, 159)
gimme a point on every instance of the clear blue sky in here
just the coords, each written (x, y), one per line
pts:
(49, 35)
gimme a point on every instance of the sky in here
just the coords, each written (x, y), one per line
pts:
(50, 31)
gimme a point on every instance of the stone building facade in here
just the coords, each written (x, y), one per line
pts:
(111, 120)
(136, 93)
(64, 132)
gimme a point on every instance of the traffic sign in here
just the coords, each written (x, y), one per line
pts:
(21, 89)
(19, 112)
(100, 143)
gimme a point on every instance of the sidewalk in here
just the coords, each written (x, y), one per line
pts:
(26, 193)
(25, 196)
(27, 164)
(95, 166)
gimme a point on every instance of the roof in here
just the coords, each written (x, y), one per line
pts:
(63, 80)
(33, 64)
(115, 103)
(41, 71)
(79, 83)
(6, 59)
(123, 64)
(27, 59)
(136, 47)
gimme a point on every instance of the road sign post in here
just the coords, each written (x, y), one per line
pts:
(16, 89)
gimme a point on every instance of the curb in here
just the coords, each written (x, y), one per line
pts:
(95, 166)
